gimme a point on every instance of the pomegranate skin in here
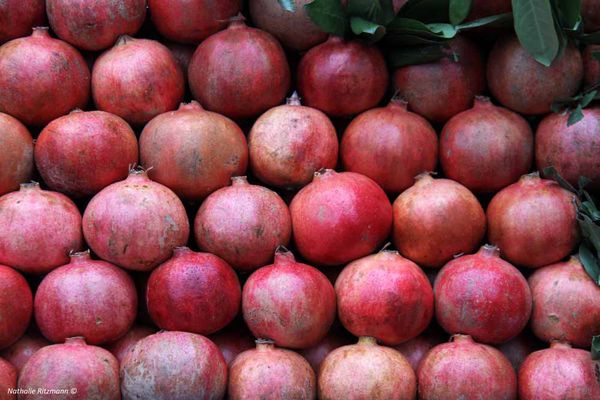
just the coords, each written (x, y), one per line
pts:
(384, 296)
(590, 13)
(135, 223)
(522, 84)
(239, 72)
(486, 8)
(289, 302)
(95, 25)
(137, 79)
(271, 373)
(339, 217)
(182, 366)
(8, 380)
(37, 92)
(16, 157)
(38, 228)
(127, 342)
(537, 212)
(591, 66)
(233, 340)
(21, 351)
(342, 78)
(83, 152)
(348, 373)
(518, 348)
(415, 349)
(436, 219)
(289, 143)
(17, 17)
(390, 145)
(16, 306)
(442, 89)
(486, 148)
(316, 354)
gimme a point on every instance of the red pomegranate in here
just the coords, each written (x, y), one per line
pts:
(316, 354)
(233, 340)
(180, 365)
(289, 302)
(340, 217)
(342, 78)
(127, 342)
(8, 380)
(95, 25)
(38, 228)
(21, 351)
(390, 145)
(269, 372)
(289, 143)
(518, 348)
(16, 156)
(415, 349)
(590, 13)
(16, 306)
(441, 89)
(486, 147)
(559, 372)
(239, 72)
(487, 8)
(591, 66)
(436, 219)
(17, 17)
(193, 151)
(384, 296)
(137, 79)
(524, 85)
(182, 53)
(537, 212)
(135, 223)
(348, 373)
(38, 92)
(83, 152)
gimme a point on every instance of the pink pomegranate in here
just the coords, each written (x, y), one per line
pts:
(16, 157)
(239, 72)
(537, 212)
(486, 147)
(233, 340)
(38, 228)
(17, 17)
(16, 306)
(339, 217)
(127, 342)
(21, 351)
(415, 349)
(181, 365)
(38, 92)
(590, 13)
(137, 79)
(182, 53)
(436, 219)
(8, 380)
(135, 223)
(316, 354)
(591, 65)
(518, 348)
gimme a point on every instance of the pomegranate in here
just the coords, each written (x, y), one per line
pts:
(182, 53)
(415, 349)
(591, 66)
(524, 85)
(17, 17)
(16, 306)
(487, 8)
(348, 373)
(316, 354)
(486, 147)
(436, 219)
(8, 380)
(135, 223)
(340, 217)
(390, 145)
(38, 228)
(537, 212)
(239, 72)
(289, 302)
(126, 343)
(21, 351)
(441, 89)
(16, 157)
(38, 92)
(193, 151)
(269, 372)
(289, 143)
(518, 348)
(590, 13)
(180, 365)
(233, 340)
(137, 79)
(342, 78)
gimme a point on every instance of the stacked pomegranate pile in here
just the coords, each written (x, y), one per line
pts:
(183, 210)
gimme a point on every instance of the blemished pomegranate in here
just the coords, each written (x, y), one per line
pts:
(21, 351)
(289, 143)
(348, 373)
(135, 223)
(590, 13)
(125, 344)
(342, 78)
(415, 349)
(183, 55)
(390, 145)
(193, 151)
(336, 337)
(385, 296)
(37, 92)
(537, 212)
(182, 366)
(289, 302)
(137, 79)
(17, 17)
(16, 157)
(591, 66)
(483, 296)
(339, 217)
(518, 348)
(239, 72)
(462, 368)
(486, 148)
(270, 372)
(83, 152)
(16, 306)
(88, 369)
(524, 85)
(8, 380)
(38, 228)
(436, 219)
(233, 340)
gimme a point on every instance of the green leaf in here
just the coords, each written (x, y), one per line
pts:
(534, 25)
(459, 10)
(575, 115)
(329, 15)
(551, 173)
(590, 38)
(403, 40)
(590, 231)
(596, 55)
(596, 348)
(446, 31)
(496, 21)
(372, 31)
(379, 11)
(589, 262)
(287, 5)
(570, 13)
(588, 98)
(403, 56)
(583, 182)
(408, 26)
